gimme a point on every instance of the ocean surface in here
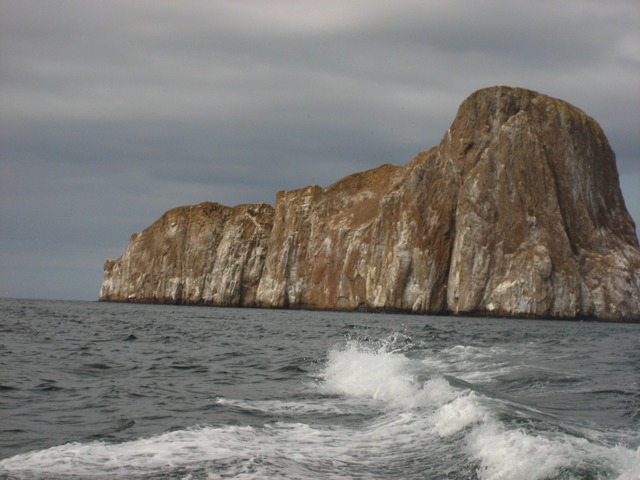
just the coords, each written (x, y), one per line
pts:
(94, 390)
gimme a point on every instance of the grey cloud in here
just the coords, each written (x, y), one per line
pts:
(114, 112)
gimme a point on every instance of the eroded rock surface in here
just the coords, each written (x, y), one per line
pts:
(206, 254)
(375, 240)
(541, 226)
(517, 212)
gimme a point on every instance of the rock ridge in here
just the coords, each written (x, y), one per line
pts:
(517, 212)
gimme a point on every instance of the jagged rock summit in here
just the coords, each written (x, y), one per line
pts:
(518, 212)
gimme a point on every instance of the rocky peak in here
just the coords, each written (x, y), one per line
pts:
(539, 212)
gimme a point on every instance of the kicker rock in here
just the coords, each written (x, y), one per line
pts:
(206, 254)
(518, 212)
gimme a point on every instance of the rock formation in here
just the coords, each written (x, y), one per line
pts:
(205, 254)
(518, 212)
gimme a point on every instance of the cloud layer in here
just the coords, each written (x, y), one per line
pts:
(113, 112)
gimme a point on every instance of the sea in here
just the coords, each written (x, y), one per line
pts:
(92, 390)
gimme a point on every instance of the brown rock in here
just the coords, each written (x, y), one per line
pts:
(376, 240)
(517, 212)
(205, 254)
(541, 226)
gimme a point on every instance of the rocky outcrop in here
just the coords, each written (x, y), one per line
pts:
(541, 226)
(205, 254)
(518, 212)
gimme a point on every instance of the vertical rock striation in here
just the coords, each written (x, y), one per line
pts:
(517, 212)
(541, 226)
(376, 240)
(205, 254)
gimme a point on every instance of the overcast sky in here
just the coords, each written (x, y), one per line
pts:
(112, 112)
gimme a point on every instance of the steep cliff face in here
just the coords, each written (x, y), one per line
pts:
(374, 240)
(541, 226)
(205, 254)
(517, 212)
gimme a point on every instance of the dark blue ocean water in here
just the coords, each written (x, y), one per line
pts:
(100, 391)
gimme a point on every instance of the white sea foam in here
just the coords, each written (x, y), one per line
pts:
(279, 450)
(514, 455)
(168, 450)
(459, 414)
(517, 455)
(359, 371)
(295, 450)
